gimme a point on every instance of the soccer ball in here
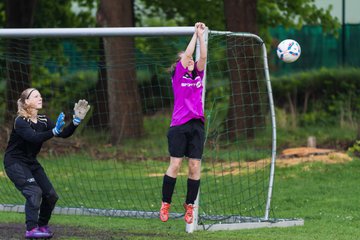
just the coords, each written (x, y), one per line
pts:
(288, 50)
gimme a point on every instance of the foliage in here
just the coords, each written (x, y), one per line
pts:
(332, 136)
(56, 51)
(64, 98)
(320, 96)
(2, 14)
(188, 12)
(51, 51)
(291, 14)
(294, 14)
(161, 51)
(355, 149)
(155, 91)
(60, 14)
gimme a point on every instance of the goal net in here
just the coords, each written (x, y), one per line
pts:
(114, 164)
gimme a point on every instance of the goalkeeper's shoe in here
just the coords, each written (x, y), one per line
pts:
(46, 229)
(189, 213)
(35, 233)
(164, 211)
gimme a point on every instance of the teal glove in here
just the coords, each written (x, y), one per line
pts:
(59, 124)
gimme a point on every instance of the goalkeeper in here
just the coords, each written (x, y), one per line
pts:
(30, 131)
(186, 135)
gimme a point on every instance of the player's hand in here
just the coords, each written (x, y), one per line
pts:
(200, 28)
(59, 124)
(196, 26)
(80, 110)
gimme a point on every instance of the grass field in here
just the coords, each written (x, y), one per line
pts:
(326, 196)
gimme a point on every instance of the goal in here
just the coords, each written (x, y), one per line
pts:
(114, 164)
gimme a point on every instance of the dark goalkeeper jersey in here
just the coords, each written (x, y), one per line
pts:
(27, 137)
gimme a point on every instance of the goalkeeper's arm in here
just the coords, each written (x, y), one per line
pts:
(80, 110)
(64, 132)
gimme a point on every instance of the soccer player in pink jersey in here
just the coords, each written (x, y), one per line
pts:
(186, 134)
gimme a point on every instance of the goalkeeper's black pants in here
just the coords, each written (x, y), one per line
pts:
(35, 186)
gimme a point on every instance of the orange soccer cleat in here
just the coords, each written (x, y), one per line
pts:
(189, 213)
(164, 211)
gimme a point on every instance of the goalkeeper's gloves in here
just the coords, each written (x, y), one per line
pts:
(59, 124)
(80, 110)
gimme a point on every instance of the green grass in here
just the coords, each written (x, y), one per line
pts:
(136, 185)
(325, 196)
(333, 137)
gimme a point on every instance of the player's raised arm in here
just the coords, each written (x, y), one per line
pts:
(187, 55)
(203, 51)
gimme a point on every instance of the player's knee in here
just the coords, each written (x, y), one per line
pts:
(33, 195)
(194, 165)
(194, 171)
(52, 197)
(194, 175)
(175, 168)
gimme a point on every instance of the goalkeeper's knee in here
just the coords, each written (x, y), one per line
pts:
(51, 197)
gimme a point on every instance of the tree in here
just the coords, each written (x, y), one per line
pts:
(100, 116)
(244, 106)
(270, 13)
(187, 12)
(125, 113)
(19, 14)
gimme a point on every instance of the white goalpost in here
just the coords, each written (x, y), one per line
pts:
(114, 164)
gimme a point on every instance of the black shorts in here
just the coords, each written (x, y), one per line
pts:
(187, 139)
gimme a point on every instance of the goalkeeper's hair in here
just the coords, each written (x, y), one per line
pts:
(24, 109)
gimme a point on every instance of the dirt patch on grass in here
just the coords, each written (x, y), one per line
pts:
(15, 231)
(287, 158)
(294, 156)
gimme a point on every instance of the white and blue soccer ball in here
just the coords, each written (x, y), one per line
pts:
(288, 50)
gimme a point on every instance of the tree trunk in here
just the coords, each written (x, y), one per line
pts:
(244, 106)
(19, 14)
(100, 116)
(125, 114)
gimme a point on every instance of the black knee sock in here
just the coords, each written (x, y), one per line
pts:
(192, 190)
(168, 188)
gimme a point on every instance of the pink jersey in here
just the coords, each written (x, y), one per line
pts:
(187, 96)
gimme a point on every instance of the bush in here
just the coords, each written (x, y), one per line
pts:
(355, 149)
(325, 96)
